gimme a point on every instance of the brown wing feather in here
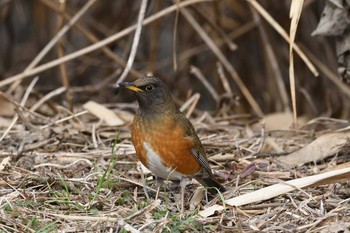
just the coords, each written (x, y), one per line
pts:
(196, 150)
(205, 177)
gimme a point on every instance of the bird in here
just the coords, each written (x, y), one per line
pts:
(165, 140)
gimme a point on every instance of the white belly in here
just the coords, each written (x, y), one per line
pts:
(156, 166)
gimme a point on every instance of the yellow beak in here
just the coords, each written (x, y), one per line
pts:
(130, 86)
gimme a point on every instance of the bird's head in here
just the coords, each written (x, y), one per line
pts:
(151, 93)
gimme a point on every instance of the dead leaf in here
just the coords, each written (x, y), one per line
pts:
(7, 109)
(275, 174)
(124, 115)
(210, 210)
(338, 166)
(277, 121)
(12, 196)
(336, 227)
(282, 188)
(321, 148)
(288, 186)
(196, 198)
(334, 20)
(271, 145)
(4, 122)
(222, 157)
(4, 162)
(248, 170)
(103, 113)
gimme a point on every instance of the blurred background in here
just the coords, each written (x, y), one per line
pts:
(259, 55)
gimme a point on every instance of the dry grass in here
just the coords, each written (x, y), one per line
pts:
(61, 180)
(64, 170)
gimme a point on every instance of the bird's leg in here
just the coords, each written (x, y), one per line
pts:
(183, 183)
(157, 193)
(159, 183)
(143, 179)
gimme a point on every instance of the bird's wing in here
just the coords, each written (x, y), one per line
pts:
(197, 150)
(201, 160)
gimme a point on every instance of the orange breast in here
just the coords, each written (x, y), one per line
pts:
(168, 141)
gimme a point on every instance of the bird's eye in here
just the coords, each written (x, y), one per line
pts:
(149, 88)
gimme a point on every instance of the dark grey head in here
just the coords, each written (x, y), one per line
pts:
(152, 94)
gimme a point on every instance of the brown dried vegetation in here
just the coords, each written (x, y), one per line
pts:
(65, 167)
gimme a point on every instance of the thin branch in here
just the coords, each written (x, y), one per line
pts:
(59, 35)
(224, 61)
(223, 79)
(272, 61)
(196, 72)
(295, 12)
(175, 35)
(48, 96)
(23, 101)
(135, 42)
(191, 104)
(333, 77)
(96, 46)
(93, 39)
(54, 40)
(284, 35)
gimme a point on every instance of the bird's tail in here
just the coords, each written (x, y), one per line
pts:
(212, 185)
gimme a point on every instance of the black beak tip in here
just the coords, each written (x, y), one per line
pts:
(118, 86)
(123, 84)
